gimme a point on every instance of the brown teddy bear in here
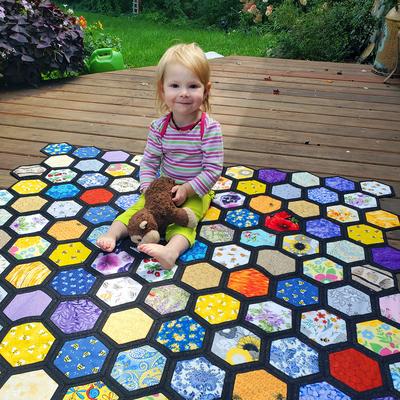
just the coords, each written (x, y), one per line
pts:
(159, 211)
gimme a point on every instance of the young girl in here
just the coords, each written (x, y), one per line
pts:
(185, 145)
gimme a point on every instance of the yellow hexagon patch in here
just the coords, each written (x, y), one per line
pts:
(382, 218)
(217, 308)
(252, 187)
(127, 326)
(365, 234)
(26, 344)
(29, 186)
(28, 275)
(212, 214)
(70, 253)
(120, 169)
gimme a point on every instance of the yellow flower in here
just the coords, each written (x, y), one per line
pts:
(178, 338)
(249, 343)
(174, 347)
(101, 26)
(24, 243)
(238, 356)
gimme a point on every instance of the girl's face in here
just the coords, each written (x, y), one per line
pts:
(183, 93)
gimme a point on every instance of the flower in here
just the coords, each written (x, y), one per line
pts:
(281, 222)
(81, 21)
(269, 9)
(238, 356)
(368, 335)
(326, 278)
(252, 9)
(249, 343)
(100, 25)
(303, 2)
(108, 262)
(387, 352)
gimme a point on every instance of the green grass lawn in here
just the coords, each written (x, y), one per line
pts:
(144, 42)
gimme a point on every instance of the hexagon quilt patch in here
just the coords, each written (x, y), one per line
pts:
(291, 290)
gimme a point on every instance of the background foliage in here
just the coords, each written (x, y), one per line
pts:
(325, 30)
(331, 30)
(37, 38)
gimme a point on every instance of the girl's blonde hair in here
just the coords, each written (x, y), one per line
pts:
(191, 56)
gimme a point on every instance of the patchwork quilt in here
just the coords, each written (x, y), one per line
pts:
(291, 290)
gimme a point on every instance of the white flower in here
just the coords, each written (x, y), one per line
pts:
(70, 11)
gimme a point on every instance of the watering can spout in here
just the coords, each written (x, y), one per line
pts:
(387, 57)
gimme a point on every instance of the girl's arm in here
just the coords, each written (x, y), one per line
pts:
(213, 158)
(150, 163)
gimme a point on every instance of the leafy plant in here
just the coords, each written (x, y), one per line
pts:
(95, 39)
(36, 39)
(329, 31)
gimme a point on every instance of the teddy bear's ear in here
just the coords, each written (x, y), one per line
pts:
(143, 225)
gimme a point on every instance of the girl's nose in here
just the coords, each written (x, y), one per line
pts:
(184, 93)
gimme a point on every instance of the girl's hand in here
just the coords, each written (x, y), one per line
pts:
(180, 194)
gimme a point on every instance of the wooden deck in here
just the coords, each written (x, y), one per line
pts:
(328, 119)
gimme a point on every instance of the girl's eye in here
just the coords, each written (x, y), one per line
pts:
(174, 85)
(193, 86)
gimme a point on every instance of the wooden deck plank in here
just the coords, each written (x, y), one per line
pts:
(322, 122)
(365, 112)
(262, 100)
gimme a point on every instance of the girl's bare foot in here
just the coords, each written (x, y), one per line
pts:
(164, 255)
(106, 243)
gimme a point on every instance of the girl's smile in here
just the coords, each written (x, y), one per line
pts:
(183, 93)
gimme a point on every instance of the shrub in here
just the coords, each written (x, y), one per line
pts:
(202, 12)
(329, 31)
(107, 7)
(95, 39)
(37, 38)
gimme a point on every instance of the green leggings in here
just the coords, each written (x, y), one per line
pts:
(197, 204)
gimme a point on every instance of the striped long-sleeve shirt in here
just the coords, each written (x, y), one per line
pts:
(183, 155)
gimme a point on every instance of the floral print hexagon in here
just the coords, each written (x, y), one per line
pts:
(113, 263)
(198, 379)
(269, 316)
(293, 357)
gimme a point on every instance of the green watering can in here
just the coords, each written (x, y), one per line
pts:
(104, 60)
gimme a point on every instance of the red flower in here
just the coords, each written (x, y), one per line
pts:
(281, 222)
(321, 315)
